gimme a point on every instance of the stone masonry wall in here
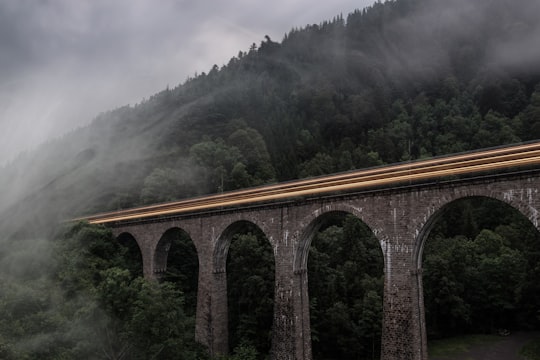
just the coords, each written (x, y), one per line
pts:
(400, 218)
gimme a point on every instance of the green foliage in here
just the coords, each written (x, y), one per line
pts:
(242, 352)
(345, 287)
(218, 159)
(531, 350)
(167, 184)
(530, 117)
(456, 346)
(481, 280)
(253, 147)
(250, 284)
(284, 110)
(353, 92)
(157, 327)
(320, 164)
(84, 253)
(94, 307)
(241, 161)
(183, 268)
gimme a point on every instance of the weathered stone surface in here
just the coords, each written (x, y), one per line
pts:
(400, 218)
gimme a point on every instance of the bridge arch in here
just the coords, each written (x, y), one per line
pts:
(167, 240)
(134, 252)
(518, 201)
(223, 242)
(244, 268)
(437, 208)
(318, 219)
(400, 218)
(332, 259)
(126, 237)
(176, 260)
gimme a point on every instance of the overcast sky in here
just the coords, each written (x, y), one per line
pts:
(64, 61)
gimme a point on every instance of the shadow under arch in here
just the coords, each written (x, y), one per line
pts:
(134, 259)
(246, 255)
(481, 245)
(427, 228)
(323, 221)
(320, 222)
(345, 264)
(221, 250)
(177, 261)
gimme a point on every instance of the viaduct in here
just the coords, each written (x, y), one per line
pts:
(399, 203)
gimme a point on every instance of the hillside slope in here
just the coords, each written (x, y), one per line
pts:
(399, 80)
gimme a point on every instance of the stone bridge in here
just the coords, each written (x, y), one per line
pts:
(400, 217)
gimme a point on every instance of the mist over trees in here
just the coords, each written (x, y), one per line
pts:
(400, 80)
(396, 81)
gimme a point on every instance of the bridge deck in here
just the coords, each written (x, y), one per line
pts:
(494, 159)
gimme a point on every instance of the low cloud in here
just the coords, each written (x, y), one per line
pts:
(63, 62)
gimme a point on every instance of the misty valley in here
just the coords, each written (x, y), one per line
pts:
(398, 81)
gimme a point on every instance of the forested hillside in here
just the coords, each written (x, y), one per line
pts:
(400, 80)
(397, 81)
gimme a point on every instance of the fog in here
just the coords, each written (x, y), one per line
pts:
(423, 55)
(63, 62)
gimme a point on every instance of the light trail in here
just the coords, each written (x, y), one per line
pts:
(474, 162)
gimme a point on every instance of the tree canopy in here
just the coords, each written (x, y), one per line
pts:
(397, 81)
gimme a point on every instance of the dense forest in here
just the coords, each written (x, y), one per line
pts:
(399, 80)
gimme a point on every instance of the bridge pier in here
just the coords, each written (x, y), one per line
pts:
(219, 319)
(403, 331)
(301, 305)
(291, 338)
(403, 327)
(211, 327)
(284, 337)
(400, 218)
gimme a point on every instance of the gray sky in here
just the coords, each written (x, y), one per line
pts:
(64, 61)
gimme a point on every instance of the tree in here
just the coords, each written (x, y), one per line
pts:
(345, 289)
(499, 267)
(242, 161)
(320, 164)
(183, 268)
(250, 284)
(158, 327)
(160, 186)
(494, 130)
(477, 275)
(253, 148)
(118, 314)
(530, 117)
(218, 159)
(448, 311)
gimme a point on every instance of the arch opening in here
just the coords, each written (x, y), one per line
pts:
(179, 261)
(345, 271)
(250, 267)
(480, 259)
(133, 255)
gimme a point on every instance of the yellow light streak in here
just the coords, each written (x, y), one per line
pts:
(481, 161)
